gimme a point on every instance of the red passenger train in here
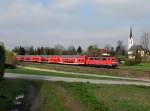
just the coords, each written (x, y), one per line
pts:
(101, 61)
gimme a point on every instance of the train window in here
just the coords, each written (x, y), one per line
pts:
(96, 58)
(113, 59)
(91, 58)
(103, 58)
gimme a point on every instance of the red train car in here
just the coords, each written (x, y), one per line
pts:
(20, 58)
(28, 58)
(102, 61)
(45, 59)
(36, 58)
(73, 59)
(54, 59)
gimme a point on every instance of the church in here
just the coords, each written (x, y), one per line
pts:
(134, 49)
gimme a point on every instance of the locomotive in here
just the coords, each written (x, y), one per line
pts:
(99, 61)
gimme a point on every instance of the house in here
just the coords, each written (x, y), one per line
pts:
(134, 50)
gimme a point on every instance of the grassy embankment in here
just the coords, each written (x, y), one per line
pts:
(9, 89)
(138, 71)
(61, 96)
(86, 69)
(141, 66)
(46, 73)
(71, 68)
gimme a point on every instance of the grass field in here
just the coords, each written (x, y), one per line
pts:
(141, 66)
(61, 96)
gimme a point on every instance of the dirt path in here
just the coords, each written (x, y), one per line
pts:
(69, 79)
(31, 98)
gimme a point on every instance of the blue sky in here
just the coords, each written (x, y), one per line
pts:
(72, 22)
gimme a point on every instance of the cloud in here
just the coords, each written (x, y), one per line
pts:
(26, 12)
(131, 9)
(67, 22)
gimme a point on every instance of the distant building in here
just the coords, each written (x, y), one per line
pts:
(99, 52)
(102, 52)
(135, 49)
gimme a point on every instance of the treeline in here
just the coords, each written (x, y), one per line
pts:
(92, 50)
(57, 50)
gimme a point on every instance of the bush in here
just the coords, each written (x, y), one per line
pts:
(138, 58)
(135, 61)
(121, 59)
(131, 62)
(2, 61)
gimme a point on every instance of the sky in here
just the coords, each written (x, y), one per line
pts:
(72, 22)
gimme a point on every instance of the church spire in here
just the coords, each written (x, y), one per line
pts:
(130, 40)
(131, 32)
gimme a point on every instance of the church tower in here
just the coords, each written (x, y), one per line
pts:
(130, 39)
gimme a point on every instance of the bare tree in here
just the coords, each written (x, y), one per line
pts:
(120, 49)
(108, 47)
(145, 40)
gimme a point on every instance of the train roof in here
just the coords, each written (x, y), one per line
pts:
(65, 56)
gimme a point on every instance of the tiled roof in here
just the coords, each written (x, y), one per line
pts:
(136, 47)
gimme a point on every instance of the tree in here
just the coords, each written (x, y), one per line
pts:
(92, 50)
(72, 50)
(145, 40)
(138, 58)
(31, 50)
(22, 51)
(42, 51)
(16, 49)
(2, 60)
(120, 49)
(58, 49)
(110, 49)
(47, 50)
(79, 50)
(38, 51)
